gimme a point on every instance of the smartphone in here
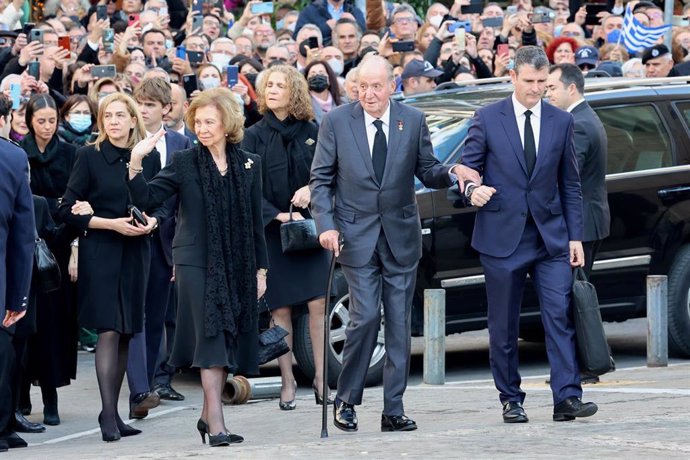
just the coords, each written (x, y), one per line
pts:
(132, 19)
(101, 12)
(36, 35)
(467, 25)
(190, 84)
(195, 57)
(475, 7)
(512, 9)
(16, 95)
(64, 42)
(460, 38)
(496, 21)
(503, 49)
(108, 36)
(403, 46)
(181, 52)
(34, 69)
(197, 22)
(28, 27)
(232, 72)
(197, 6)
(592, 10)
(679, 21)
(103, 71)
(262, 8)
(137, 216)
(542, 18)
(312, 42)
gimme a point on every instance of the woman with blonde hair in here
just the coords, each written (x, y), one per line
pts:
(113, 248)
(219, 249)
(285, 139)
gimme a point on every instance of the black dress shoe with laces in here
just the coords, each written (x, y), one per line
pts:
(514, 413)
(22, 425)
(166, 391)
(397, 423)
(344, 415)
(571, 408)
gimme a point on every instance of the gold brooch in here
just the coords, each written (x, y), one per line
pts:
(249, 163)
(400, 125)
(310, 142)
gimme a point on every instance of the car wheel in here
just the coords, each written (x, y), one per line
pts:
(339, 318)
(679, 304)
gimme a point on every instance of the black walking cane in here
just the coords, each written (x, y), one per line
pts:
(327, 341)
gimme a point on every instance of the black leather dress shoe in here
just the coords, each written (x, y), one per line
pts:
(571, 408)
(3, 446)
(14, 441)
(397, 423)
(344, 415)
(22, 425)
(514, 413)
(166, 391)
(141, 403)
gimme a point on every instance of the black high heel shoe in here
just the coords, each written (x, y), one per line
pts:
(203, 430)
(288, 405)
(319, 398)
(108, 436)
(126, 430)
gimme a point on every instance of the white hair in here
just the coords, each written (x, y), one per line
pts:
(8, 80)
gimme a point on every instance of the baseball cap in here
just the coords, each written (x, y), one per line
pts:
(654, 52)
(612, 68)
(586, 55)
(417, 68)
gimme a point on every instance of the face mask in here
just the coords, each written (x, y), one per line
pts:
(252, 78)
(436, 21)
(336, 66)
(248, 33)
(209, 83)
(280, 24)
(169, 44)
(239, 99)
(220, 60)
(80, 122)
(318, 83)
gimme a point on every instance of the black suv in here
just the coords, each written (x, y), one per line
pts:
(648, 127)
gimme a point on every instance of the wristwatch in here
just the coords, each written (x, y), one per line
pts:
(469, 189)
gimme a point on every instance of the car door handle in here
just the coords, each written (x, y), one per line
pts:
(674, 193)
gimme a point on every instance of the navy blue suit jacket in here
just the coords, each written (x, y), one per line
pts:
(552, 195)
(17, 228)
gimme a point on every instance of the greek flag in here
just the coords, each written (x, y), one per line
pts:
(637, 36)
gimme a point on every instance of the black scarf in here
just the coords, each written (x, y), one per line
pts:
(230, 296)
(70, 135)
(287, 160)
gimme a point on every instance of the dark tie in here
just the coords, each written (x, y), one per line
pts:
(378, 153)
(530, 147)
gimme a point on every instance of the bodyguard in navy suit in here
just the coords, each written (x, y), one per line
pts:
(529, 222)
(17, 230)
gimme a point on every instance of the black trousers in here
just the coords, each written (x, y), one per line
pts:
(6, 380)
(591, 248)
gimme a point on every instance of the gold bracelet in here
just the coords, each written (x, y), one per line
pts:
(135, 170)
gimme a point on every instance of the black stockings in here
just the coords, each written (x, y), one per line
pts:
(111, 363)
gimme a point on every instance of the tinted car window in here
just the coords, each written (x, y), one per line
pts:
(637, 138)
(448, 136)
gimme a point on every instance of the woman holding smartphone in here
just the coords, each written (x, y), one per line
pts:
(113, 249)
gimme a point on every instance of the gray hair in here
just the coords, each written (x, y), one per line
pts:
(352, 75)
(8, 80)
(221, 41)
(314, 28)
(157, 72)
(403, 8)
(378, 61)
(531, 55)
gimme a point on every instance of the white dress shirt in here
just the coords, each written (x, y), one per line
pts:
(535, 121)
(574, 104)
(371, 129)
(161, 147)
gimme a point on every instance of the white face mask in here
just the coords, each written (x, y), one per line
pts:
(336, 66)
(209, 83)
(436, 20)
(220, 60)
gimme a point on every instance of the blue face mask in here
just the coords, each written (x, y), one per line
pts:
(80, 122)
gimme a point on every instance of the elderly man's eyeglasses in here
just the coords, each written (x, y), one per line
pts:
(404, 20)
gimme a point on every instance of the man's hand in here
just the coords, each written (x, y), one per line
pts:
(329, 240)
(464, 173)
(19, 44)
(73, 265)
(30, 52)
(577, 254)
(481, 195)
(471, 46)
(12, 317)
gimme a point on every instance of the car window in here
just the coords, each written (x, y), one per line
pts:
(448, 136)
(637, 138)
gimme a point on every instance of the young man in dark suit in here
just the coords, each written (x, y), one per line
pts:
(529, 222)
(364, 189)
(17, 228)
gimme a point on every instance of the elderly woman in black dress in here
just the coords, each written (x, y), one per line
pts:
(286, 139)
(219, 249)
(114, 251)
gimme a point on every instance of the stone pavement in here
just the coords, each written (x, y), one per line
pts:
(643, 413)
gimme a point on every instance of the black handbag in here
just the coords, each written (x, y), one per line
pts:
(298, 235)
(593, 352)
(272, 344)
(46, 268)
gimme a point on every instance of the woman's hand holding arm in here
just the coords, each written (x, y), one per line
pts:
(260, 283)
(121, 225)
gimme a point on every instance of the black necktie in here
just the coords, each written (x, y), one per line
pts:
(530, 147)
(378, 153)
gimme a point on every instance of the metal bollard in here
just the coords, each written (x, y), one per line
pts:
(657, 321)
(434, 336)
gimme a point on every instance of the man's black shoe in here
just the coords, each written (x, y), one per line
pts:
(397, 423)
(514, 413)
(141, 403)
(344, 415)
(571, 408)
(13, 440)
(588, 379)
(4, 447)
(22, 425)
(166, 391)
